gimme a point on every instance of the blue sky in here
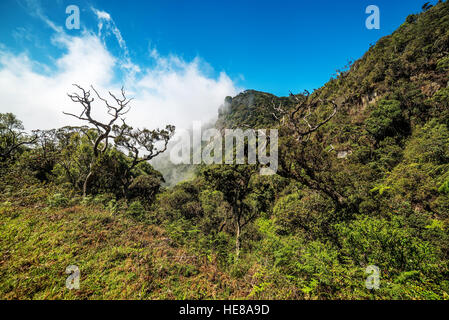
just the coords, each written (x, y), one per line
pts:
(272, 46)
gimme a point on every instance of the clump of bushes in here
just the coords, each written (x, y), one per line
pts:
(443, 64)
(6, 208)
(58, 200)
(385, 119)
(136, 210)
(103, 199)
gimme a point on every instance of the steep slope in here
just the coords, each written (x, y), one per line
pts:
(388, 100)
(412, 63)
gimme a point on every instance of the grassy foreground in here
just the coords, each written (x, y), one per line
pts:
(118, 257)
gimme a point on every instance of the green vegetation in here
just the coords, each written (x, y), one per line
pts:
(363, 180)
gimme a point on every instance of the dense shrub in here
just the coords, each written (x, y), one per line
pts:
(305, 214)
(136, 210)
(384, 119)
(58, 200)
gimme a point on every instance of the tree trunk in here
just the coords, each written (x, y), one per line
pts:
(85, 183)
(237, 240)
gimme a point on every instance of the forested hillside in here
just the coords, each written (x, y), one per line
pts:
(363, 180)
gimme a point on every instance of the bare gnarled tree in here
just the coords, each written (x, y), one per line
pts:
(135, 141)
(298, 119)
(123, 136)
(304, 110)
(301, 159)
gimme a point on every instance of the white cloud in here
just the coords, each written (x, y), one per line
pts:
(174, 91)
(35, 9)
(38, 99)
(102, 15)
(106, 22)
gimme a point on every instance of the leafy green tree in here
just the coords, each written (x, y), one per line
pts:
(233, 181)
(12, 136)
